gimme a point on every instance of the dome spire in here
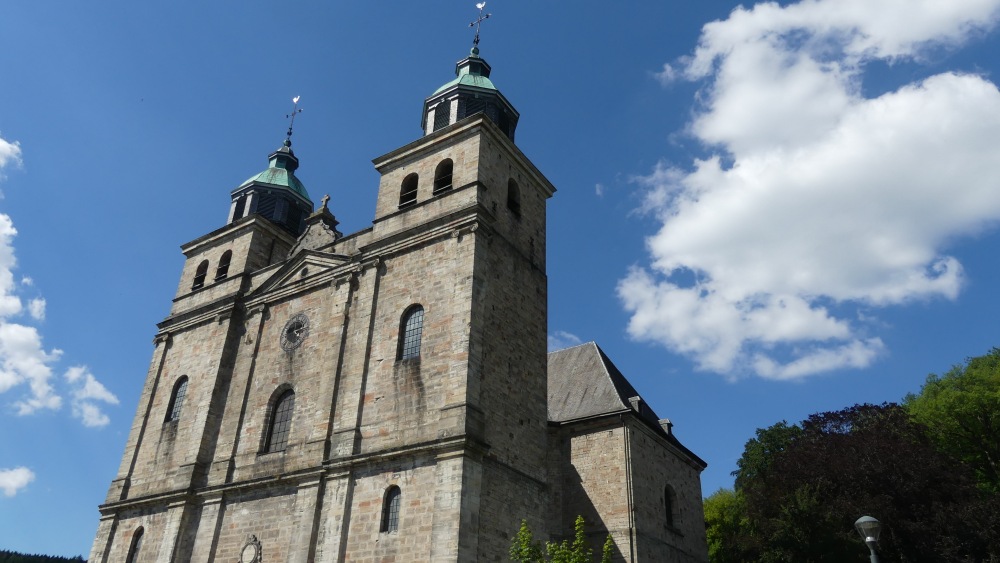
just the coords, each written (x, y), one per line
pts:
(276, 193)
(470, 93)
(477, 24)
(291, 117)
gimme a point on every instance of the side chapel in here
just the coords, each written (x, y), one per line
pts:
(387, 395)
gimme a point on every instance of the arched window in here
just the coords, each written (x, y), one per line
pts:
(442, 176)
(513, 197)
(411, 329)
(442, 115)
(281, 423)
(408, 191)
(241, 208)
(199, 275)
(223, 270)
(669, 506)
(390, 510)
(136, 547)
(177, 399)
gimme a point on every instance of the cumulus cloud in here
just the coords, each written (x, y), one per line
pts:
(86, 393)
(24, 361)
(36, 308)
(13, 480)
(561, 339)
(667, 75)
(10, 154)
(817, 205)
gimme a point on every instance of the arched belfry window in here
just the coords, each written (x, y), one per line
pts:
(390, 510)
(411, 330)
(513, 197)
(670, 507)
(408, 190)
(442, 176)
(222, 272)
(177, 399)
(281, 423)
(135, 548)
(199, 275)
(241, 208)
(442, 114)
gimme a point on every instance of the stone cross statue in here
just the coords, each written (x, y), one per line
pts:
(324, 200)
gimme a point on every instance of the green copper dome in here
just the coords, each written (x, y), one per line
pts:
(471, 92)
(274, 194)
(280, 172)
(475, 80)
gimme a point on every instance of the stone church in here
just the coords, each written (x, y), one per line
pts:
(387, 395)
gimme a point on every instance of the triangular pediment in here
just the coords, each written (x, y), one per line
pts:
(306, 268)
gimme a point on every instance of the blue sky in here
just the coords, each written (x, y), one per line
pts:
(762, 213)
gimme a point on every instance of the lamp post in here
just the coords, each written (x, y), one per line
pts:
(869, 528)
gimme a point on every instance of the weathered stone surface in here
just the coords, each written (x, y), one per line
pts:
(462, 429)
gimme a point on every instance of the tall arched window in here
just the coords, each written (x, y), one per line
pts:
(513, 197)
(281, 423)
(241, 208)
(223, 270)
(442, 115)
(408, 190)
(136, 547)
(390, 510)
(669, 508)
(199, 275)
(411, 329)
(177, 399)
(442, 176)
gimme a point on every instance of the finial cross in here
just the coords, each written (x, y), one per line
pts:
(325, 199)
(479, 22)
(295, 109)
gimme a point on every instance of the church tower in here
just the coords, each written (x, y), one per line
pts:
(379, 396)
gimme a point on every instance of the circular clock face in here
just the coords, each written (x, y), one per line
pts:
(249, 554)
(295, 332)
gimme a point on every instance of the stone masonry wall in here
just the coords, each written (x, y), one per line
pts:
(594, 484)
(657, 465)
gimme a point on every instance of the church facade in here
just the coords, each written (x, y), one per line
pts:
(387, 395)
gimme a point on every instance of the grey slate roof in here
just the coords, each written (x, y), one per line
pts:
(584, 383)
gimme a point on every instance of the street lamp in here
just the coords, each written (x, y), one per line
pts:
(869, 528)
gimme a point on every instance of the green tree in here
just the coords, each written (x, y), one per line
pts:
(525, 549)
(760, 452)
(961, 412)
(867, 459)
(727, 528)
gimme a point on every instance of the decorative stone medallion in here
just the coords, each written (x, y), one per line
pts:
(296, 330)
(251, 550)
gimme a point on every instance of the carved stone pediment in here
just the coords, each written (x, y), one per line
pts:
(321, 232)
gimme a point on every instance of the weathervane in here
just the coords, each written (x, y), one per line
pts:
(295, 109)
(479, 21)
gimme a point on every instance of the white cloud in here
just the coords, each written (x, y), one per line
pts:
(667, 75)
(13, 480)
(561, 339)
(23, 360)
(10, 304)
(36, 308)
(599, 190)
(820, 204)
(10, 154)
(86, 393)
